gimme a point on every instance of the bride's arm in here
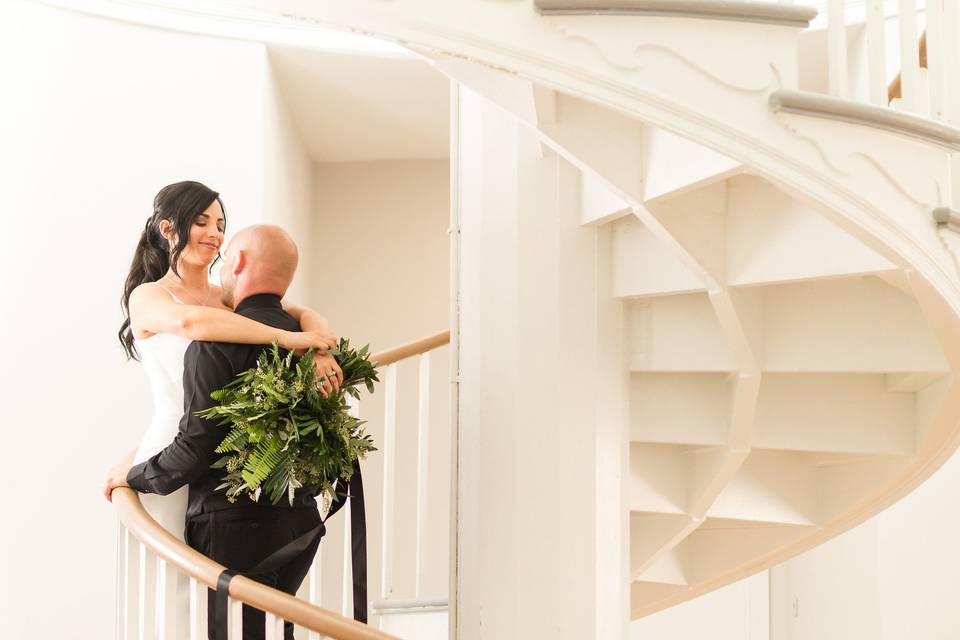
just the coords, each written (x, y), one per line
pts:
(309, 319)
(153, 310)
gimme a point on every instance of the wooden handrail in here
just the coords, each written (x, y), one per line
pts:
(412, 349)
(206, 571)
(893, 91)
(738, 10)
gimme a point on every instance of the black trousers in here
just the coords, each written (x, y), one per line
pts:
(240, 538)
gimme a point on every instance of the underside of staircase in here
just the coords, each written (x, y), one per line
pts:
(768, 412)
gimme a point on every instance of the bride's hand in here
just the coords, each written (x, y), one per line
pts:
(329, 373)
(300, 341)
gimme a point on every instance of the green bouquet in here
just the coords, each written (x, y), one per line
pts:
(283, 433)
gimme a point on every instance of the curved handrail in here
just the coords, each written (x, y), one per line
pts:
(196, 565)
(206, 571)
(414, 348)
(807, 103)
(741, 10)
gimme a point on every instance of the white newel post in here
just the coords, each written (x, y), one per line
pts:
(542, 520)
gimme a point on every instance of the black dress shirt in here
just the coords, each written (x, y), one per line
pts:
(208, 366)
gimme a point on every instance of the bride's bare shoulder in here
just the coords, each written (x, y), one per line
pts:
(148, 291)
(216, 297)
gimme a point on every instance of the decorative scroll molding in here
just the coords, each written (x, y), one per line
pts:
(818, 105)
(889, 176)
(762, 12)
(627, 60)
(867, 158)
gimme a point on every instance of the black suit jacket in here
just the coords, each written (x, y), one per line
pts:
(208, 366)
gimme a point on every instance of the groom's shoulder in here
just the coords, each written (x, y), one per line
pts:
(233, 355)
(221, 352)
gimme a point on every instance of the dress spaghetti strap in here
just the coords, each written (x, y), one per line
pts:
(169, 292)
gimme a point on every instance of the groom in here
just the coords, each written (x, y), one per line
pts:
(258, 267)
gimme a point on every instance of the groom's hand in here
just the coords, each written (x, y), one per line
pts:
(116, 477)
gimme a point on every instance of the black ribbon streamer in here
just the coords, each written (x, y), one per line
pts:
(289, 551)
(358, 539)
(221, 605)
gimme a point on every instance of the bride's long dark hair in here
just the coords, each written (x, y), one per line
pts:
(181, 203)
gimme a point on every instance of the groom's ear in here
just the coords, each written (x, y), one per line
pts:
(241, 262)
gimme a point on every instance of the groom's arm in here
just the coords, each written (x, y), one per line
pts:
(206, 368)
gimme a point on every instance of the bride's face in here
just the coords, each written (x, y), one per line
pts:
(206, 237)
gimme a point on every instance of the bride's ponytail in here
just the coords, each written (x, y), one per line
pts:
(150, 261)
(180, 203)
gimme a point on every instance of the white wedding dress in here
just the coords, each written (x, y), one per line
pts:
(162, 358)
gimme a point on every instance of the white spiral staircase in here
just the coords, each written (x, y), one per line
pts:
(789, 300)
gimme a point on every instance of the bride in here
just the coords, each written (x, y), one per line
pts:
(168, 302)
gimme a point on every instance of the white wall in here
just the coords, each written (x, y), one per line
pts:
(892, 577)
(381, 228)
(830, 592)
(287, 174)
(96, 117)
(918, 563)
(738, 611)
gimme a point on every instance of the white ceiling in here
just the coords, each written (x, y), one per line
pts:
(352, 108)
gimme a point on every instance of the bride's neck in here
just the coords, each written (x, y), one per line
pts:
(191, 276)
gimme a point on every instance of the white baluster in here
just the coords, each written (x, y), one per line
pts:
(274, 627)
(198, 610)
(346, 586)
(314, 584)
(164, 601)
(121, 584)
(951, 63)
(909, 55)
(144, 580)
(389, 481)
(130, 583)
(423, 469)
(235, 624)
(876, 53)
(936, 64)
(837, 48)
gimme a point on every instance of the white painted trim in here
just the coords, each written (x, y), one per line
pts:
(234, 22)
(408, 605)
(454, 360)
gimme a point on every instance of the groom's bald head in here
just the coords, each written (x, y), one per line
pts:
(259, 259)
